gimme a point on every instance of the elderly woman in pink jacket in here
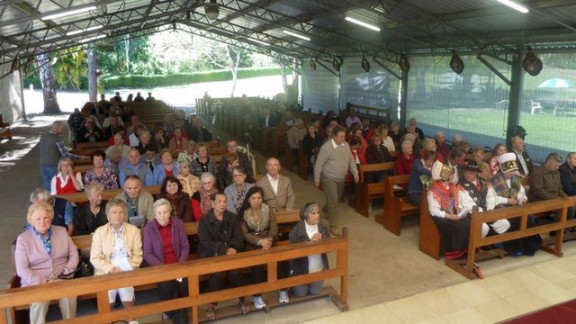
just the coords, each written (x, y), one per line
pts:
(45, 253)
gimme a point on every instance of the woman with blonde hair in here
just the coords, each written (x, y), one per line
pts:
(67, 180)
(117, 247)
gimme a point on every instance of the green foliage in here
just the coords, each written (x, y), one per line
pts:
(70, 68)
(150, 81)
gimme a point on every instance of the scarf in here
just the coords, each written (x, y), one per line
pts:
(45, 240)
(240, 196)
(258, 223)
(447, 197)
(499, 184)
(173, 199)
(206, 200)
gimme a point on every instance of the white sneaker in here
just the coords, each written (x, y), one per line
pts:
(258, 302)
(283, 296)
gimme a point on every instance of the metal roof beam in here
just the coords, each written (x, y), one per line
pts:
(174, 11)
(200, 21)
(233, 42)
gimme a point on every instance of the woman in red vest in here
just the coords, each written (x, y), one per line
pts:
(67, 180)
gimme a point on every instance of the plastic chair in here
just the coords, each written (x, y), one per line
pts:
(560, 106)
(535, 106)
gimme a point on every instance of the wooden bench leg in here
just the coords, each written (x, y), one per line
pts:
(392, 217)
(362, 201)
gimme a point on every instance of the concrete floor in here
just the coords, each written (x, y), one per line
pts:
(383, 267)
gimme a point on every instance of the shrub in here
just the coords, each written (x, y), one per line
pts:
(150, 81)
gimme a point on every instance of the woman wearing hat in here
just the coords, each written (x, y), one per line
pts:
(472, 192)
(505, 190)
(448, 213)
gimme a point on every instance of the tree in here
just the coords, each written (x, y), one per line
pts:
(224, 56)
(70, 68)
(51, 106)
(92, 76)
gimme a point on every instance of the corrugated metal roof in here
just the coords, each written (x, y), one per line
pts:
(408, 26)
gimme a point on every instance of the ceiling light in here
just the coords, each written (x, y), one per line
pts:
(85, 30)
(67, 13)
(363, 24)
(92, 38)
(212, 10)
(296, 35)
(514, 5)
(257, 41)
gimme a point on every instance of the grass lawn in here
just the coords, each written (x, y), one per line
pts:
(555, 132)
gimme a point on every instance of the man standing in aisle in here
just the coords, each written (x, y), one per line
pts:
(332, 165)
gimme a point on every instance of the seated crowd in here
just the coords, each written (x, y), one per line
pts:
(235, 211)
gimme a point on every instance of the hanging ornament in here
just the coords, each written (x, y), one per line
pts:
(404, 64)
(365, 64)
(456, 63)
(531, 63)
(312, 65)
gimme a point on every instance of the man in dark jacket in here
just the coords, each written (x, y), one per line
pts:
(219, 233)
(75, 122)
(90, 132)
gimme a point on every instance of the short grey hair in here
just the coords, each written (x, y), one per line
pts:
(307, 209)
(161, 202)
(405, 144)
(554, 157)
(40, 194)
(115, 202)
(207, 175)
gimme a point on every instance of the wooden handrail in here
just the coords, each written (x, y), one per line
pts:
(192, 270)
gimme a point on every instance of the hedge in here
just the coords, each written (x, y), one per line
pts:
(151, 81)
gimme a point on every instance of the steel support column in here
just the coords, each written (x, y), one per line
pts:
(403, 99)
(516, 83)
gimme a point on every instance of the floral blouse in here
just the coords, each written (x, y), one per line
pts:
(108, 178)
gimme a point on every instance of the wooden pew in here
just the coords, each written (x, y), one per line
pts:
(376, 115)
(304, 166)
(102, 145)
(396, 204)
(552, 245)
(193, 271)
(365, 192)
(280, 144)
(430, 242)
(80, 197)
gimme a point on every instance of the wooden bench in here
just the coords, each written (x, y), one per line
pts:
(5, 131)
(366, 192)
(375, 115)
(396, 205)
(552, 245)
(193, 271)
(102, 145)
(304, 165)
(80, 197)
(430, 242)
